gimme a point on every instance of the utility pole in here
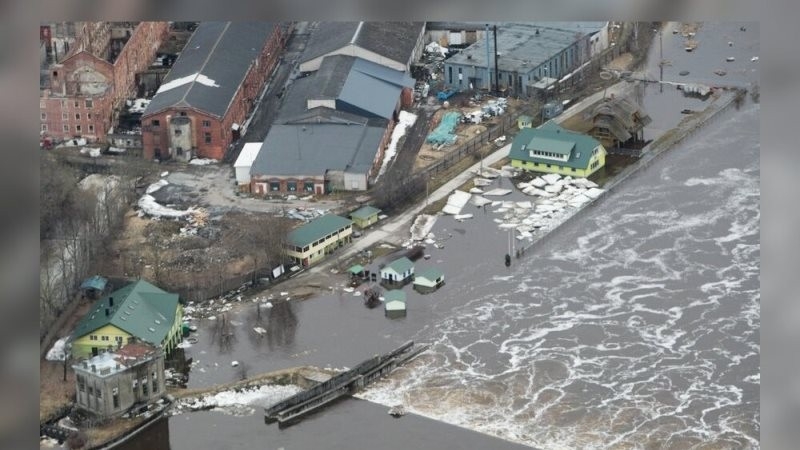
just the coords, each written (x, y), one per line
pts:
(661, 59)
(496, 70)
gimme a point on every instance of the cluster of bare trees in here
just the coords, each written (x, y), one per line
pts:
(78, 215)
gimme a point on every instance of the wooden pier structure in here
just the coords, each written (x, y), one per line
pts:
(292, 409)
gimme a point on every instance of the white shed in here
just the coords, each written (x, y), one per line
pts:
(245, 161)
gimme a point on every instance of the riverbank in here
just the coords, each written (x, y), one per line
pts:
(118, 431)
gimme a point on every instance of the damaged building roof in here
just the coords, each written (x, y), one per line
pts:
(211, 67)
(522, 47)
(392, 40)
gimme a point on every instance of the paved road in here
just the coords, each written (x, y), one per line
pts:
(268, 105)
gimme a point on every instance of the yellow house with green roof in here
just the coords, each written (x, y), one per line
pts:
(138, 310)
(553, 149)
(310, 243)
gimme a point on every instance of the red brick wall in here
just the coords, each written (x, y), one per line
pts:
(241, 105)
(257, 181)
(136, 56)
(94, 122)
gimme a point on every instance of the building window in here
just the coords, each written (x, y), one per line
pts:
(155, 382)
(104, 338)
(76, 104)
(63, 104)
(88, 104)
(89, 390)
(144, 386)
(118, 339)
(115, 397)
(99, 393)
(155, 123)
(207, 137)
(308, 186)
(93, 337)
(450, 73)
(206, 123)
(42, 104)
(178, 132)
(275, 186)
(77, 128)
(573, 169)
(77, 116)
(44, 116)
(66, 128)
(81, 383)
(89, 116)
(64, 116)
(44, 127)
(55, 74)
(91, 128)
(183, 113)
(291, 186)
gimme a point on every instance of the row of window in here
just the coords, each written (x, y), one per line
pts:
(88, 103)
(550, 166)
(157, 123)
(66, 129)
(291, 186)
(65, 116)
(93, 337)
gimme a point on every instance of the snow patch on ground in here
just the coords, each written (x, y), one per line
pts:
(56, 352)
(151, 207)
(405, 121)
(422, 226)
(203, 161)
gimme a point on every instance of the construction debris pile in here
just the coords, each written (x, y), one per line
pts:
(195, 217)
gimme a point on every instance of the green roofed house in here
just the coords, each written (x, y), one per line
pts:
(428, 280)
(553, 149)
(394, 304)
(311, 242)
(137, 311)
(365, 216)
(398, 272)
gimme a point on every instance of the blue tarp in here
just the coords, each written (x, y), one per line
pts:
(443, 134)
(96, 282)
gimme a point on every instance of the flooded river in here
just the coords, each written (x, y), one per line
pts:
(634, 326)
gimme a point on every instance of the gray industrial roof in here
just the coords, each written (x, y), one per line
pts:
(520, 49)
(312, 149)
(211, 67)
(364, 85)
(393, 40)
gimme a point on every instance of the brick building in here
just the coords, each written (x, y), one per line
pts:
(203, 102)
(85, 90)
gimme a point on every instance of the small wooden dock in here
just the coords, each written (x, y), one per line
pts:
(292, 409)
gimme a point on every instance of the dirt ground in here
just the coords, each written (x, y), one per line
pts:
(429, 155)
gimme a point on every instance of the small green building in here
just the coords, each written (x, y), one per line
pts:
(398, 272)
(428, 280)
(524, 121)
(394, 304)
(365, 216)
(553, 149)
